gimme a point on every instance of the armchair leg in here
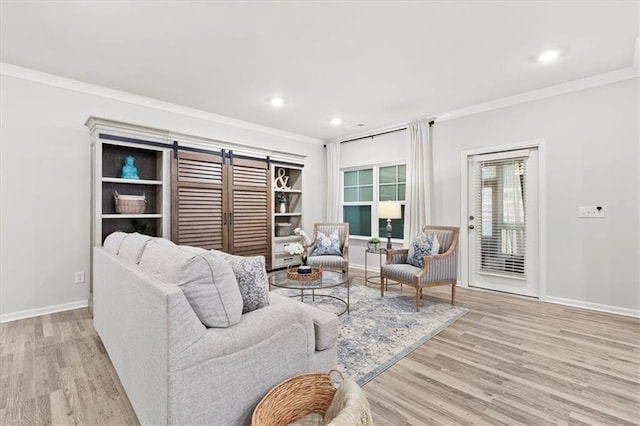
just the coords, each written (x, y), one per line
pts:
(453, 294)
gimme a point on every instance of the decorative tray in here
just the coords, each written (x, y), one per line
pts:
(315, 274)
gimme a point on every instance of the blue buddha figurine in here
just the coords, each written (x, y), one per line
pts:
(129, 171)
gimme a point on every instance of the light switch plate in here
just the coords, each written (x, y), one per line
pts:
(591, 212)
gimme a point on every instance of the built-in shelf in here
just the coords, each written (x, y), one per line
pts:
(132, 181)
(287, 180)
(132, 216)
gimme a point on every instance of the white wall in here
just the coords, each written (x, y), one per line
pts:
(592, 154)
(592, 145)
(45, 159)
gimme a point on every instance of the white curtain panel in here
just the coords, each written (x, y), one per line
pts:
(333, 182)
(419, 191)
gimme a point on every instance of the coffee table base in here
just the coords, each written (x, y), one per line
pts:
(313, 296)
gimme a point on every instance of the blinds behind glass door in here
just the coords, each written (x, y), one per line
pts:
(501, 213)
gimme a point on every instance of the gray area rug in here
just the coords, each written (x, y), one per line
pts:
(379, 332)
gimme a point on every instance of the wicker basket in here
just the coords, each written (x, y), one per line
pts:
(315, 274)
(295, 398)
(130, 204)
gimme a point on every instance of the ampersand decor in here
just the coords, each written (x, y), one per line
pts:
(281, 180)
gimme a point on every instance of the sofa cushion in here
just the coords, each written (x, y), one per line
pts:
(132, 247)
(207, 281)
(113, 241)
(251, 275)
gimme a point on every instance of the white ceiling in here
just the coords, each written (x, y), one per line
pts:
(378, 63)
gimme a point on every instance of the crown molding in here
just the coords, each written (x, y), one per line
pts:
(28, 74)
(560, 89)
(548, 92)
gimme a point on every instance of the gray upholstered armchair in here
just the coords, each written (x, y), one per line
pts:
(438, 269)
(331, 261)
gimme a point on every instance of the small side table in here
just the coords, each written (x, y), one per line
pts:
(373, 279)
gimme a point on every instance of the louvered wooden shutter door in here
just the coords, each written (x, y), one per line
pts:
(249, 233)
(198, 202)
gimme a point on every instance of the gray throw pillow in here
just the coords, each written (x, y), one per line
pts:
(206, 280)
(251, 275)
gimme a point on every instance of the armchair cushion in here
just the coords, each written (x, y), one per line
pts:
(422, 245)
(327, 246)
(335, 262)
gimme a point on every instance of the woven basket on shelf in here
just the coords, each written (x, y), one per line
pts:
(129, 204)
(295, 398)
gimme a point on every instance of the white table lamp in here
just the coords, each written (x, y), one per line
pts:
(389, 210)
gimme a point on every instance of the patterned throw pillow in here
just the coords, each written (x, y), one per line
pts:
(251, 275)
(327, 245)
(422, 245)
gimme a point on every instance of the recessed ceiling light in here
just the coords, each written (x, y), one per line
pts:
(276, 101)
(548, 56)
(336, 121)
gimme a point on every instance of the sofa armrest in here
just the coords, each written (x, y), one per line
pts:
(254, 328)
(325, 324)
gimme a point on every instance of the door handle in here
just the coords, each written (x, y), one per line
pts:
(471, 227)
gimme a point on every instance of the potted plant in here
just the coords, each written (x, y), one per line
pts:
(373, 244)
(281, 199)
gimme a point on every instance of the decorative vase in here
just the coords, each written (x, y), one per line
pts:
(282, 208)
(304, 268)
(373, 246)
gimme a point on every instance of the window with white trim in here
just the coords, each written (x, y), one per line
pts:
(363, 189)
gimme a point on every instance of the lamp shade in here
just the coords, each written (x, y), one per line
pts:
(389, 210)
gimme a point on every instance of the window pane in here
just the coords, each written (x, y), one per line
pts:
(397, 227)
(366, 193)
(387, 192)
(402, 173)
(488, 172)
(359, 219)
(401, 192)
(366, 177)
(351, 178)
(351, 194)
(487, 211)
(388, 174)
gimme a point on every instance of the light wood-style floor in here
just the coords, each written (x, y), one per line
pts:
(510, 360)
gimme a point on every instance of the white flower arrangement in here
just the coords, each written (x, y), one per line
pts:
(294, 248)
(305, 238)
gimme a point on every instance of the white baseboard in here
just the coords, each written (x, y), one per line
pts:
(358, 267)
(43, 311)
(594, 306)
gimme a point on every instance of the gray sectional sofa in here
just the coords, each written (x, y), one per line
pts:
(151, 301)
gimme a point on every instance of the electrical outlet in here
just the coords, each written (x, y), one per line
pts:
(80, 277)
(591, 211)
